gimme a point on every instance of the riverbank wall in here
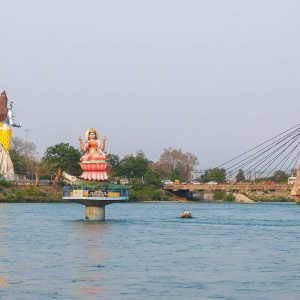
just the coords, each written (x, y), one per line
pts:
(249, 197)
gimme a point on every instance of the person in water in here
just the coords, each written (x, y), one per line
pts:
(92, 148)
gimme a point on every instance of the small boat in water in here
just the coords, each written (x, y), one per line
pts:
(186, 214)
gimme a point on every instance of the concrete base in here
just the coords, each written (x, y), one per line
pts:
(95, 213)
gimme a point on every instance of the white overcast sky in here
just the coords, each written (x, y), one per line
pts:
(212, 77)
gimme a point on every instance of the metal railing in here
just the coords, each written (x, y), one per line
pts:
(31, 182)
(109, 193)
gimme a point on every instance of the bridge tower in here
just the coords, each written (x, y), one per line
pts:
(295, 192)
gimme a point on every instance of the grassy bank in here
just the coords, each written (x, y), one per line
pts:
(138, 192)
(39, 194)
(270, 196)
(47, 194)
(258, 196)
(142, 192)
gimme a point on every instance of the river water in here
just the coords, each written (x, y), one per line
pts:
(145, 251)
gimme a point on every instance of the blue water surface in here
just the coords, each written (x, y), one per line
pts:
(145, 251)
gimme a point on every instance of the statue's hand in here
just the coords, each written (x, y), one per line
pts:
(80, 139)
(104, 138)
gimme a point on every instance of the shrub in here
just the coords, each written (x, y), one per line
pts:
(147, 193)
(219, 195)
(5, 183)
(229, 197)
(26, 194)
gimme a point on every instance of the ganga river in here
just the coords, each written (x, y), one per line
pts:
(145, 251)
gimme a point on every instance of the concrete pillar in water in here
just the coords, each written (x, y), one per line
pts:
(95, 213)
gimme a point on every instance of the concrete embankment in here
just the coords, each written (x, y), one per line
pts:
(250, 197)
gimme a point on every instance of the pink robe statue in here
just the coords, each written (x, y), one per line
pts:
(93, 160)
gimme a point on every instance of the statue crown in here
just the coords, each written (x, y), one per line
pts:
(91, 130)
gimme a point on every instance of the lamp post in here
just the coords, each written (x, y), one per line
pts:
(197, 173)
(26, 134)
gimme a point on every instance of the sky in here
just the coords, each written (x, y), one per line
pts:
(213, 78)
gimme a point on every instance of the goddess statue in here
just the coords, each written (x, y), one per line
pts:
(6, 122)
(93, 161)
(92, 148)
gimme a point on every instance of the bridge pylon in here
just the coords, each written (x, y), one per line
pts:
(295, 192)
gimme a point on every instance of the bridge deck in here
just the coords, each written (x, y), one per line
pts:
(227, 187)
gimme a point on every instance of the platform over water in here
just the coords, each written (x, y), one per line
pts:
(96, 193)
(95, 198)
(94, 201)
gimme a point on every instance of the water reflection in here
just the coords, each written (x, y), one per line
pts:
(92, 256)
(3, 281)
(3, 248)
(91, 291)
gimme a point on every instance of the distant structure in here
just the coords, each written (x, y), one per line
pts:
(6, 122)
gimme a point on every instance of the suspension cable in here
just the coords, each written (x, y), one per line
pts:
(264, 158)
(285, 158)
(266, 148)
(258, 145)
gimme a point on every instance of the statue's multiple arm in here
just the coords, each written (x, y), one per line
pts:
(10, 119)
(84, 146)
(81, 144)
(102, 146)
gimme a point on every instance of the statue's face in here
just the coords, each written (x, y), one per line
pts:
(92, 135)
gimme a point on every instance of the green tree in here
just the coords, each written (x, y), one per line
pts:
(64, 157)
(19, 162)
(240, 176)
(134, 166)
(152, 177)
(113, 161)
(216, 174)
(279, 176)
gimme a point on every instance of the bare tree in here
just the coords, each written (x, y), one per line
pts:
(174, 162)
(38, 168)
(20, 152)
(21, 147)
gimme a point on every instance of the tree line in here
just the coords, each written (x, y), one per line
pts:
(220, 175)
(173, 164)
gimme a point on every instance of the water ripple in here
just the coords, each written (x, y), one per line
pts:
(145, 251)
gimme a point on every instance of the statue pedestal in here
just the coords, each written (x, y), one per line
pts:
(94, 203)
(95, 213)
(94, 170)
(94, 209)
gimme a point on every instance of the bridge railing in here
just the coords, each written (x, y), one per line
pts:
(113, 193)
(227, 186)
